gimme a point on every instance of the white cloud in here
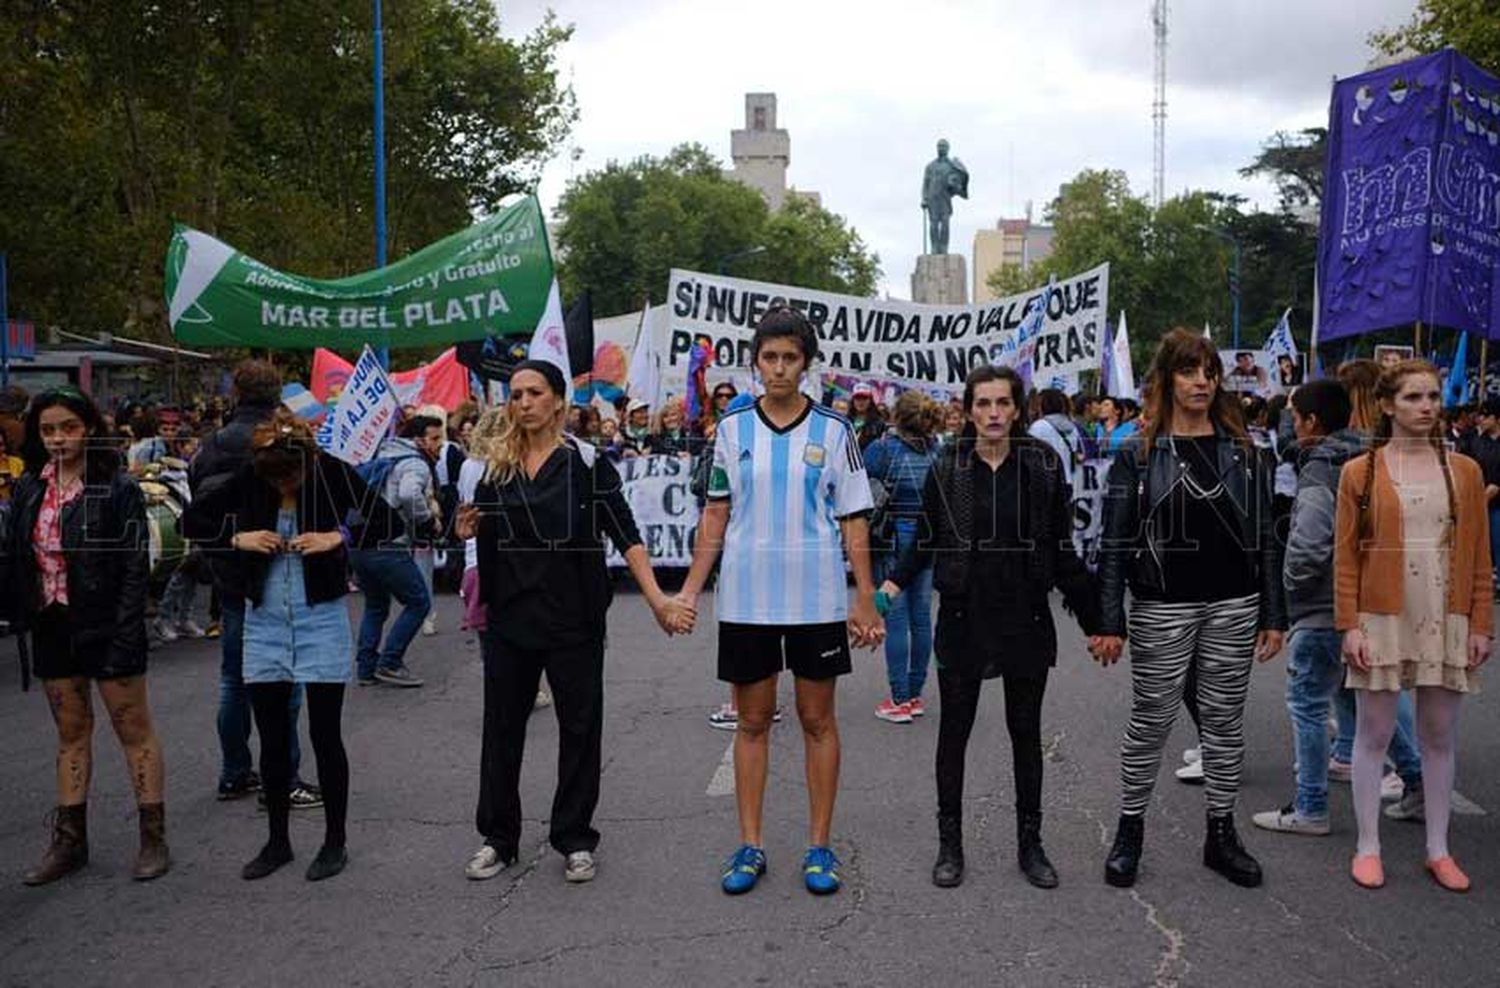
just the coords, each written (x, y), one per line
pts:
(1027, 94)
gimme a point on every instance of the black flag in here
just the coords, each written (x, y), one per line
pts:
(494, 357)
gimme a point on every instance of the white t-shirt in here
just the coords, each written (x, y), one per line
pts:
(469, 476)
(783, 559)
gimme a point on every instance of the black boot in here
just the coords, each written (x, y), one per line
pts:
(1029, 853)
(1125, 856)
(1223, 852)
(948, 872)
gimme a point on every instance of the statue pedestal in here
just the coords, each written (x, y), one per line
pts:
(940, 279)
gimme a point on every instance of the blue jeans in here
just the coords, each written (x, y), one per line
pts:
(1315, 669)
(908, 632)
(383, 574)
(234, 699)
(1495, 539)
(1403, 751)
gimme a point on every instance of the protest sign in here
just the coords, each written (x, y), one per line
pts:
(1249, 371)
(888, 339)
(1411, 228)
(492, 278)
(666, 512)
(1088, 507)
(363, 415)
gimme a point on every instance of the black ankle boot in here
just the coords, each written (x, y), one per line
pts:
(1029, 853)
(1125, 856)
(948, 872)
(1223, 852)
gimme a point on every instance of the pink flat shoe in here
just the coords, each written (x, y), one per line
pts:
(1368, 872)
(1445, 872)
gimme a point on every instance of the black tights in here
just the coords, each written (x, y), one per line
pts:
(325, 704)
(1023, 719)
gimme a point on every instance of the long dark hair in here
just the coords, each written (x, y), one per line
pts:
(1183, 350)
(101, 461)
(983, 374)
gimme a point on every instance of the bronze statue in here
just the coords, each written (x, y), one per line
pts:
(944, 178)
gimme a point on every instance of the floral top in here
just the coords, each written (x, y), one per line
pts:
(47, 536)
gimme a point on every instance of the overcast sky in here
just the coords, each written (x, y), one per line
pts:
(1027, 94)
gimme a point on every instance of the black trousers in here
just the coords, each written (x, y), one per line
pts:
(576, 677)
(1023, 719)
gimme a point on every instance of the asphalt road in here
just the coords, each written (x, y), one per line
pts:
(403, 912)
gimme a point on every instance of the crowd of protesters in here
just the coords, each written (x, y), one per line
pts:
(1354, 514)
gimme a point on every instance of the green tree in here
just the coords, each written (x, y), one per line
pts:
(252, 122)
(622, 228)
(1294, 162)
(1471, 26)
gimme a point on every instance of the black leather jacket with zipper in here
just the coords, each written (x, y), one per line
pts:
(1130, 551)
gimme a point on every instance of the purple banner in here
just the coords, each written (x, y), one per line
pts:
(1411, 203)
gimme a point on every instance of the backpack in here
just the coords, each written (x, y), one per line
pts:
(377, 471)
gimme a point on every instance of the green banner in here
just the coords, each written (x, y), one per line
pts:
(491, 279)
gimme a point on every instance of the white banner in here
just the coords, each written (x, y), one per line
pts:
(363, 415)
(901, 341)
(1088, 507)
(665, 510)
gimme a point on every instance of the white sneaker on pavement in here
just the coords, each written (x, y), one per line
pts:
(486, 863)
(580, 867)
(429, 626)
(1190, 755)
(1288, 821)
(1191, 773)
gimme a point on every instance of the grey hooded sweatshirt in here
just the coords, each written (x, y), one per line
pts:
(1308, 570)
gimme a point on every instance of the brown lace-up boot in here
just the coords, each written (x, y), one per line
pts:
(153, 860)
(69, 849)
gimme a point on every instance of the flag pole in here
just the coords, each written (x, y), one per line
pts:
(1484, 365)
(384, 353)
(1417, 340)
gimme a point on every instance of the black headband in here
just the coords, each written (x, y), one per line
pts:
(548, 370)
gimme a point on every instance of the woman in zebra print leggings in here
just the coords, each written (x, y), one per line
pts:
(1188, 526)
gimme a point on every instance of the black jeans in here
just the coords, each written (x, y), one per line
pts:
(1023, 719)
(576, 677)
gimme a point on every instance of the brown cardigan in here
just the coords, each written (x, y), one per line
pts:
(1374, 585)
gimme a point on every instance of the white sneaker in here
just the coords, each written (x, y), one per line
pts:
(165, 631)
(190, 629)
(1391, 787)
(429, 626)
(1191, 773)
(725, 718)
(1288, 821)
(1191, 755)
(486, 863)
(580, 867)
(1411, 807)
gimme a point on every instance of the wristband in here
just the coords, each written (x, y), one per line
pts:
(882, 602)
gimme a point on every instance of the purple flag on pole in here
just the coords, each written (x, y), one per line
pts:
(1411, 200)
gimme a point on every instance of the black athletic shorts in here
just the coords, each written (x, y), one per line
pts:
(749, 653)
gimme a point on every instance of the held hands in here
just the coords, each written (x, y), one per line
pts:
(1106, 649)
(1356, 649)
(466, 521)
(1267, 644)
(264, 542)
(676, 615)
(866, 626)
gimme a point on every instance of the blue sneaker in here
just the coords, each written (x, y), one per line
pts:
(743, 870)
(820, 870)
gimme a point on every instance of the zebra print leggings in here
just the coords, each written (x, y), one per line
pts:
(1217, 639)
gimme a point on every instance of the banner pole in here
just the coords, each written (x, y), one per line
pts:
(384, 353)
(4, 326)
(1417, 339)
(1484, 365)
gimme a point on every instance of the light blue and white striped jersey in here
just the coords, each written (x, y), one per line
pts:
(783, 560)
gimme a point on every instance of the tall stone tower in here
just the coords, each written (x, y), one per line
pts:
(761, 151)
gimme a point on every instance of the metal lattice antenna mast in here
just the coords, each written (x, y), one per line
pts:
(1159, 105)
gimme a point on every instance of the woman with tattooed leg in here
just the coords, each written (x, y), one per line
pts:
(75, 554)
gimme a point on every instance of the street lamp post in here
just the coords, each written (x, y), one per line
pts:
(1234, 273)
(723, 263)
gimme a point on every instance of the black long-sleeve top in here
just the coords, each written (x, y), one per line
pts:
(542, 572)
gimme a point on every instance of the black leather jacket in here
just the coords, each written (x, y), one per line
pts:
(104, 539)
(1130, 551)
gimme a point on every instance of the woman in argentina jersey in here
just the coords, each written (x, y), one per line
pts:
(788, 497)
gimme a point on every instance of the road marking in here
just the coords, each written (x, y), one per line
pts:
(722, 781)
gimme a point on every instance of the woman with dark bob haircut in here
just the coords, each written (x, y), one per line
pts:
(76, 553)
(1188, 527)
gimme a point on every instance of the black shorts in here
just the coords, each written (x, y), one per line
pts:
(749, 653)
